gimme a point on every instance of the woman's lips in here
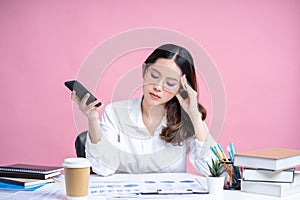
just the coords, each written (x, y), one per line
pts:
(154, 96)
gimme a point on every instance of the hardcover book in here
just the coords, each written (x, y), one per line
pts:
(269, 158)
(273, 189)
(284, 176)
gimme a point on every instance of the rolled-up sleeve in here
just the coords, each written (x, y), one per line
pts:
(200, 153)
(104, 155)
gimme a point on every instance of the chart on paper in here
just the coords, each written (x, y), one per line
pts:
(146, 184)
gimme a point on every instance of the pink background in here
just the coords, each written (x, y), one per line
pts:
(254, 44)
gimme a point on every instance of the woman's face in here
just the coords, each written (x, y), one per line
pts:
(161, 81)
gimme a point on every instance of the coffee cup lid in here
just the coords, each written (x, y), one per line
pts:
(76, 163)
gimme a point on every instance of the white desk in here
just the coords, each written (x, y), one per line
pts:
(54, 191)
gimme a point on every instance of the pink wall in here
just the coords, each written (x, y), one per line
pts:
(254, 44)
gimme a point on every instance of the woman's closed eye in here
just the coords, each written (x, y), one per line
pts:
(171, 83)
(154, 75)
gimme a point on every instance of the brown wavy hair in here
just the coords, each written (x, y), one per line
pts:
(179, 126)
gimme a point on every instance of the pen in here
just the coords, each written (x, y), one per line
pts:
(223, 153)
(236, 169)
(232, 149)
(229, 154)
(187, 191)
(214, 151)
(219, 153)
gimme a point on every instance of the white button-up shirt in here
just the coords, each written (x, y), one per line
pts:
(127, 147)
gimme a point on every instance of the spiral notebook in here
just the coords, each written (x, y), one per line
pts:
(27, 168)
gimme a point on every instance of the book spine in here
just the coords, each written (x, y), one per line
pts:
(22, 175)
(261, 188)
(21, 170)
(12, 182)
(260, 175)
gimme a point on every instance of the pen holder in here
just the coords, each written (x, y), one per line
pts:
(234, 177)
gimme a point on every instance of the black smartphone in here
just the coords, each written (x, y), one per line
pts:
(81, 91)
(183, 93)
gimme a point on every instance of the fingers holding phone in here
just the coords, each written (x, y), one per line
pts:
(81, 91)
(90, 110)
(87, 103)
(74, 97)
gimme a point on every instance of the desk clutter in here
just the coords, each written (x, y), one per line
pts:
(269, 171)
(27, 177)
(233, 171)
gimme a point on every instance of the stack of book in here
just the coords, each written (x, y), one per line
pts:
(270, 171)
(26, 175)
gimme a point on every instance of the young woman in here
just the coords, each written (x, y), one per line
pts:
(153, 133)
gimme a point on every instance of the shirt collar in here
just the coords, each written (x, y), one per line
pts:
(135, 113)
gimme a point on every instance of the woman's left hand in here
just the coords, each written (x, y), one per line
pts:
(190, 104)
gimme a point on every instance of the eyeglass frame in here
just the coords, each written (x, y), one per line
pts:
(159, 81)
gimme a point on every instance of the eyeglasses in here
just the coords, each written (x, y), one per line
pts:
(170, 84)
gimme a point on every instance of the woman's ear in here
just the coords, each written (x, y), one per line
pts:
(144, 67)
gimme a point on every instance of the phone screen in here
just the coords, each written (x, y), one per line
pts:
(81, 91)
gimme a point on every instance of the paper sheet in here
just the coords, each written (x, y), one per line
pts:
(131, 186)
(121, 186)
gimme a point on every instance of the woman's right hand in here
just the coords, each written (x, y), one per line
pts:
(91, 111)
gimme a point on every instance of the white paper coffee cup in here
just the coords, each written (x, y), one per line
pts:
(77, 172)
